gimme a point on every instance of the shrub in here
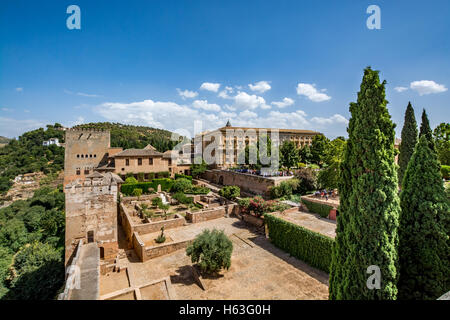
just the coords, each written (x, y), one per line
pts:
(140, 176)
(211, 250)
(131, 180)
(307, 180)
(181, 185)
(156, 201)
(137, 192)
(322, 209)
(162, 174)
(181, 198)
(445, 171)
(179, 175)
(198, 190)
(161, 238)
(147, 187)
(308, 246)
(230, 192)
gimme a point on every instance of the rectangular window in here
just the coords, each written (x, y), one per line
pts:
(170, 162)
(78, 172)
(139, 161)
(86, 171)
(150, 161)
(127, 162)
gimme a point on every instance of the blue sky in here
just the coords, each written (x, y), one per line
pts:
(290, 64)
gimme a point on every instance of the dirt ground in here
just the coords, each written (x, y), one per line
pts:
(258, 270)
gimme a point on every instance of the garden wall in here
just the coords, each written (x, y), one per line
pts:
(156, 226)
(317, 206)
(205, 215)
(160, 250)
(247, 182)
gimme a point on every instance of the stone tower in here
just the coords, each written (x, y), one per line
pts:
(85, 150)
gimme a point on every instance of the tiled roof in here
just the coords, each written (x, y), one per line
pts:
(137, 153)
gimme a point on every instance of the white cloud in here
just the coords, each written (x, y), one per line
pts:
(248, 114)
(337, 118)
(224, 94)
(400, 89)
(13, 128)
(187, 94)
(244, 100)
(309, 91)
(427, 87)
(203, 104)
(285, 103)
(261, 86)
(19, 89)
(82, 94)
(6, 109)
(214, 87)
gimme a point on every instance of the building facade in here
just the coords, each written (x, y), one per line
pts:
(230, 141)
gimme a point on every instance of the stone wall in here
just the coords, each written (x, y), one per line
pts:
(160, 250)
(91, 209)
(205, 215)
(156, 226)
(247, 182)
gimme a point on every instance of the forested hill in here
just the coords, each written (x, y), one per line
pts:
(27, 154)
(129, 136)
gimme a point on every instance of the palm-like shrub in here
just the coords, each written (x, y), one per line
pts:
(211, 250)
(230, 192)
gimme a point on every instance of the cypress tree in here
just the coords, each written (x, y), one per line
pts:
(424, 251)
(366, 232)
(409, 141)
(425, 129)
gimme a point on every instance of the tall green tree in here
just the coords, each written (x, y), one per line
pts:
(329, 176)
(442, 139)
(366, 233)
(319, 147)
(425, 129)
(424, 252)
(409, 141)
(289, 154)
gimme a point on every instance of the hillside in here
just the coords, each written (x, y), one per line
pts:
(129, 136)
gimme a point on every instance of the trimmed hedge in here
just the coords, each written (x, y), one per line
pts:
(166, 184)
(179, 175)
(311, 247)
(322, 209)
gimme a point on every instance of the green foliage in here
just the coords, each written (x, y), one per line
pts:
(319, 147)
(198, 190)
(289, 156)
(308, 246)
(442, 138)
(181, 198)
(179, 176)
(147, 187)
(211, 250)
(284, 189)
(425, 130)
(156, 201)
(322, 209)
(308, 180)
(409, 141)
(137, 192)
(257, 206)
(366, 232)
(424, 229)
(230, 192)
(329, 176)
(161, 237)
(305, 154)
(37, 273)
(27, 154)
(181, 185)
(445, 171)
(198, 169)
(141, 176)
(138, 137)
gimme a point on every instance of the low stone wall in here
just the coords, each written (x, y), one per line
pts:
(247, 182)
(205, 215)
(258, 222)
(145, 197)
(139, 246)
(156, 226)
(160, 250)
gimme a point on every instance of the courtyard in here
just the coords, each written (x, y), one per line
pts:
(258, 270)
